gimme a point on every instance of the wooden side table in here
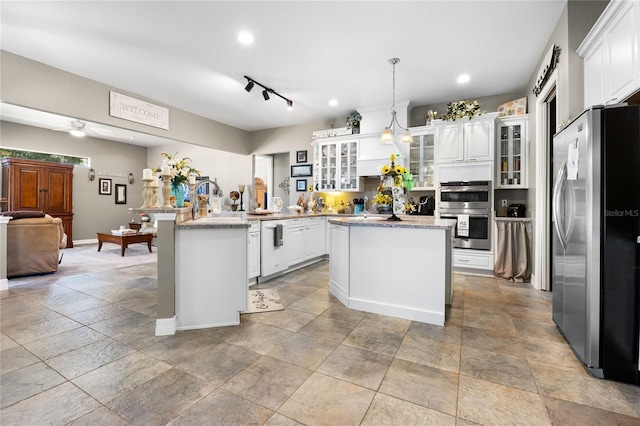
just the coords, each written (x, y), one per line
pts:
(124, 240)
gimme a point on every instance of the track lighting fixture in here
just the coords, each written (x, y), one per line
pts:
(265, 92)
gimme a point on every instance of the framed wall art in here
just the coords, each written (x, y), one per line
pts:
(301, 156)
(302, 170)
(104, 186)
(121, 194)
(301, 185)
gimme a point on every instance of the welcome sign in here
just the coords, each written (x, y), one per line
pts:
(128, 108)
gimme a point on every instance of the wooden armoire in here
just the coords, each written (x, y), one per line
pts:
(40, 185)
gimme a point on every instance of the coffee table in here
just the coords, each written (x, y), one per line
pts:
(124, 240)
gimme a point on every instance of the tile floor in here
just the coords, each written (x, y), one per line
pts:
(81, 350)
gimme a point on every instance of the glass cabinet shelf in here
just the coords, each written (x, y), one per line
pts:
(421, 161)
(511, 167)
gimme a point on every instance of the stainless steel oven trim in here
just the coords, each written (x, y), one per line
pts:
(464, 189)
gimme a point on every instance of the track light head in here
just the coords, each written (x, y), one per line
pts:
(249, 86)
(289, 105)
(265, 95)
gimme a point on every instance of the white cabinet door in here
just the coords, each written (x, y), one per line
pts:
(594, 92)
(295, 244)
(611, 53)
(479, 140)
(254, 254)
(449, 143)
(311, 233)
(322, 235)
(622, 61)
(327, 237)
(339, 260)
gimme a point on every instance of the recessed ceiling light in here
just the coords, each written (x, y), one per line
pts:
(245, 37)
(464, 78)
(333, 102)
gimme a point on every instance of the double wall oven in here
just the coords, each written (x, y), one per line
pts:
(468, 202)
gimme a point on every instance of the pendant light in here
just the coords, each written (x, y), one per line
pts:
(389, 132)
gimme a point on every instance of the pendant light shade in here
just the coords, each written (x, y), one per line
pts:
(387, 136)
(389, 133)
(406, 136)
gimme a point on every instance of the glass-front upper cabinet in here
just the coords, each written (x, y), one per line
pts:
(336, 166)
(421, 160)
(512, 151)
(348, 166)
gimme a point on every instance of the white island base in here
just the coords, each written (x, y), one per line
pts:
(211, 274)
(400, 269)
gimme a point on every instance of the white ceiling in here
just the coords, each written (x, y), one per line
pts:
(186, 54)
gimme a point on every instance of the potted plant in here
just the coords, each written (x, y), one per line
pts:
(353, 122)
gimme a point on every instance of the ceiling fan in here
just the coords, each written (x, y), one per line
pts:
(79, 129)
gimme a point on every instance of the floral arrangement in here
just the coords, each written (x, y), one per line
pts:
(461, 109)
(180, 167)
(393, 193)
(353, 120)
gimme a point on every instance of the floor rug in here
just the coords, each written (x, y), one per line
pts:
(263, 301)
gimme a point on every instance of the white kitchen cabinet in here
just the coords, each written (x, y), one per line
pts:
(465, 140)
(512, 149)
(339, 262)
(611, 54)
(314, 237)
(473, 259)
(449, 141)
(421, 158)
(295, 241)
(273, 258)
(253, 250)
(306, 239)
(336, 165)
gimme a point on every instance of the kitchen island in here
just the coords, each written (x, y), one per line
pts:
(401, 269)
(211, 272)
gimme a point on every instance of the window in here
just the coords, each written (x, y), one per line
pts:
(44, 156)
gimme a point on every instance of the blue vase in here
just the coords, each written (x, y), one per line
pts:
(177, 190)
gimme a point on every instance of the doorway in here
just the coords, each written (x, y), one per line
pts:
(546, 125)
(550, 131)
(271, 179)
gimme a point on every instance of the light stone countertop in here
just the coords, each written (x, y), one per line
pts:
(406, 222)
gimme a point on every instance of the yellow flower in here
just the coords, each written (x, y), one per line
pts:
(385, 169)
(398, 170)
(310, 188)
(393, 157)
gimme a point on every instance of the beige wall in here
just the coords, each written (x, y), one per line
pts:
(417, 115)
(92, 212)
(573, 25)
(228, 168)
(35, 85)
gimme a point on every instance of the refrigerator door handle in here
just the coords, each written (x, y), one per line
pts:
(557, 188)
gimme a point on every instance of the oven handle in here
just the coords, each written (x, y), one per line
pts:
(464, 189)
(455, 216)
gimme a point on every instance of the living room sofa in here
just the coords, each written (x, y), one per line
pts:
(33, 244)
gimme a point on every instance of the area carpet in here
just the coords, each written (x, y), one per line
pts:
(85, 259)
(263, 301)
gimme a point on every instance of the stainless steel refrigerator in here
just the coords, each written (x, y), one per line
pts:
(596, 239)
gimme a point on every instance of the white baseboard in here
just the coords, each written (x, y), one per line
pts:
(85, 242)
(4, 284)
(166, 326)
(534, 282)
